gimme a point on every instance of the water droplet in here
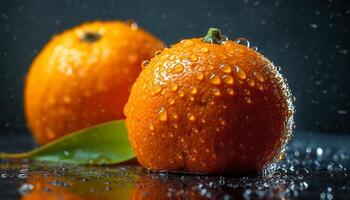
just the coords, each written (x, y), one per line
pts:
(199, 76)
(260, 87)
(204, 49)
(239, 72)
(22, 176)
(178, 68)
(281, 156)
(251, 82)
(259, 77)
(157, 89)
(133, 25)
(181, 93)
(171, 101)
(216, 92)
(188, 43)
(66, 153)
(230, 91)
(172, 57)
(228, 79)
(193, 90)
(191, 117)
(174, 87)
(162, 114)
(319, 151)
(225, 68)
(248, 100)
(144, 64)
(246, 92)
(157, 52)
(174, 116)
(242, 41)
(254, 48)
(25, 188)
(222, 121)
(193, 58)
(151, 127)
(214, 79)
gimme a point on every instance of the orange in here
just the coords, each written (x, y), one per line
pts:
(209, 105)
(82, 77)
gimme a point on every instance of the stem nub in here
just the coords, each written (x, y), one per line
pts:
(91, 37)
(214, 36)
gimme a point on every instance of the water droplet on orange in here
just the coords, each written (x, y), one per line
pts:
(199, 76)
(188, 43)
(225, 68)
(246, 92)
(260, 87)
(193, 90)
(174, 116)
(133, 25)
(251, 82)
(214, 79)
(230, 91)
(242, 41)
(174, 87)
(193, 58)
(157, 89)
(191, 117)
(144, 64)
(178, 68)
(239, 72)
(259, 77)
(172, 57)
(162, 114)
(171, 101)
(216, 92)
(204, 49)
(222, 121)
(181, 93)
(228, 79)
(151, 127)
(195, 130)
(248, 100)
(157, 52)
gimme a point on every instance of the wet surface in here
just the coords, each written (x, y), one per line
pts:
(316, 167)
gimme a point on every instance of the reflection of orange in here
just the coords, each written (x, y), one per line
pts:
(71, 187)
(82, 77)
(44, 190)
(212, 108)
(149, 188)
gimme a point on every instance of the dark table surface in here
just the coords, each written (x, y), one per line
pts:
(316, 167)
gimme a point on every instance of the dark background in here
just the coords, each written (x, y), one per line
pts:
(308, 39)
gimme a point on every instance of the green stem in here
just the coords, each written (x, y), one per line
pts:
(214, 36)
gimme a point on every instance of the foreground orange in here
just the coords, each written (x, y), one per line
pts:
(209, 106)
(82, 77)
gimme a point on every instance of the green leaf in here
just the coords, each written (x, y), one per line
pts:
(106, 143)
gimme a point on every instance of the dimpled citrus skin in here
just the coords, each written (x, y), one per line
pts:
(209, 108)
(82, 77)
